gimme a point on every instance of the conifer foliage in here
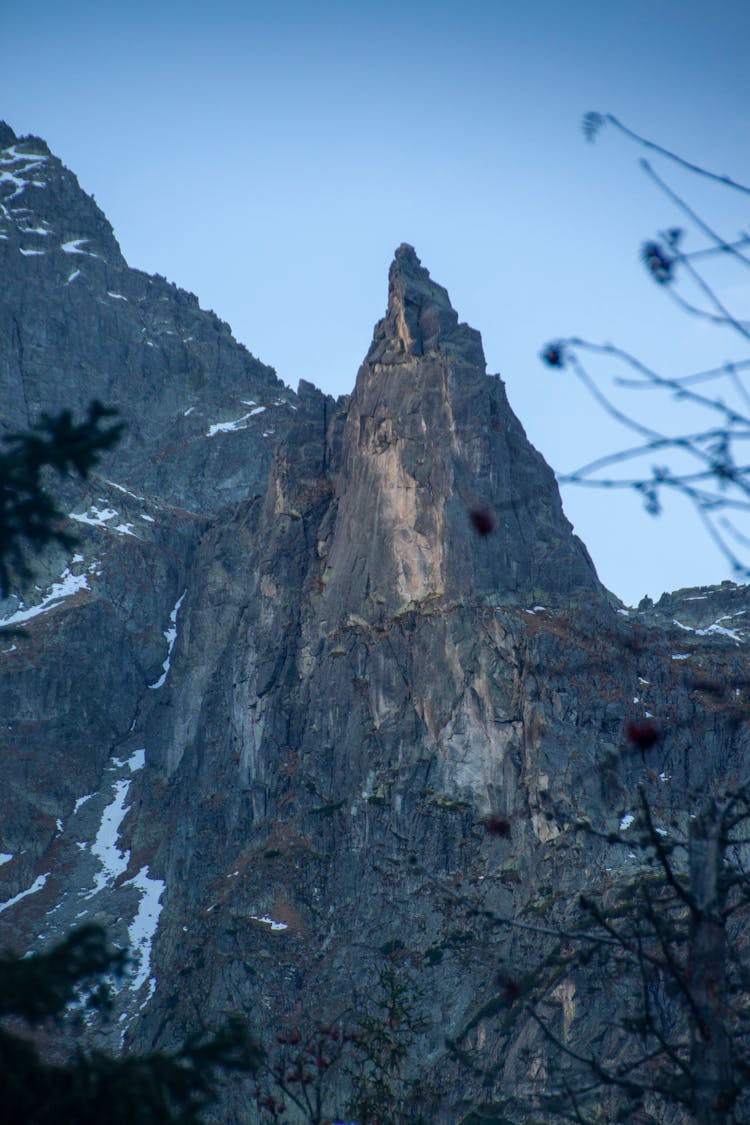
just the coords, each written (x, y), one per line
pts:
(30, 518)
(43, 995)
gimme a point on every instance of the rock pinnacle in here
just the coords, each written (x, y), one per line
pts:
(420, 319)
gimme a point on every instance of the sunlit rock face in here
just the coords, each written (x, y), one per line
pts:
(430, 448)
(304, 649)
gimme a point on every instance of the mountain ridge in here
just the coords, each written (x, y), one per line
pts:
(304, 648)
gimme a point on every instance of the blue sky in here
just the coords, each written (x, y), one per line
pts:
(271, 157)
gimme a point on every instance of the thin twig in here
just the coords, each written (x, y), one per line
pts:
(725, 315)
(726, 180)
(721, 243)
(681, 381)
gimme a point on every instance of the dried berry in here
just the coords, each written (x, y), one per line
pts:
(482, 520)
(644, 734)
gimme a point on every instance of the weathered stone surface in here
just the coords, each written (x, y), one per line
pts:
(430, 439)
(79, 324)
(262, 739)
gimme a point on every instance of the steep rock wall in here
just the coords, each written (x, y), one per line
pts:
(260, 739)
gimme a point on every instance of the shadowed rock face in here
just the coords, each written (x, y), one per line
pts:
(259, 739)
(202, 419)
(77, 323)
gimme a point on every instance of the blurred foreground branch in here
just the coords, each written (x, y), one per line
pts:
(709, 463)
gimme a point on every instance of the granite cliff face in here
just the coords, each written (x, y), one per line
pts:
(429, 439)
(304, 649)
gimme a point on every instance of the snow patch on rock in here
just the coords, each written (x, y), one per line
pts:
(237, 424)
(68, 585)
(171, 635)
(142, 929)
(35, 886)
(113, 860)
(269, 922)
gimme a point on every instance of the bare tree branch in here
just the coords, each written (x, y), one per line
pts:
(721, 179)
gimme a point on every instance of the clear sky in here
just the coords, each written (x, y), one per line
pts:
(271, 156)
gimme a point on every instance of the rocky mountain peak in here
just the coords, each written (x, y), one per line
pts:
(420, 319)
(441, 494)
(44, 213)
(304, 655)
(78, 323)
(7, 136)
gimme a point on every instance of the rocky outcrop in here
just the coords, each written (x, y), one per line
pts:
(202, 416)
(78, 324)
(262, 739)
(429, 445)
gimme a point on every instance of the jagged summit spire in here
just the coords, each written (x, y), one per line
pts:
(429, 443)
(420, 319)
(7, 136)
(409, 275)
